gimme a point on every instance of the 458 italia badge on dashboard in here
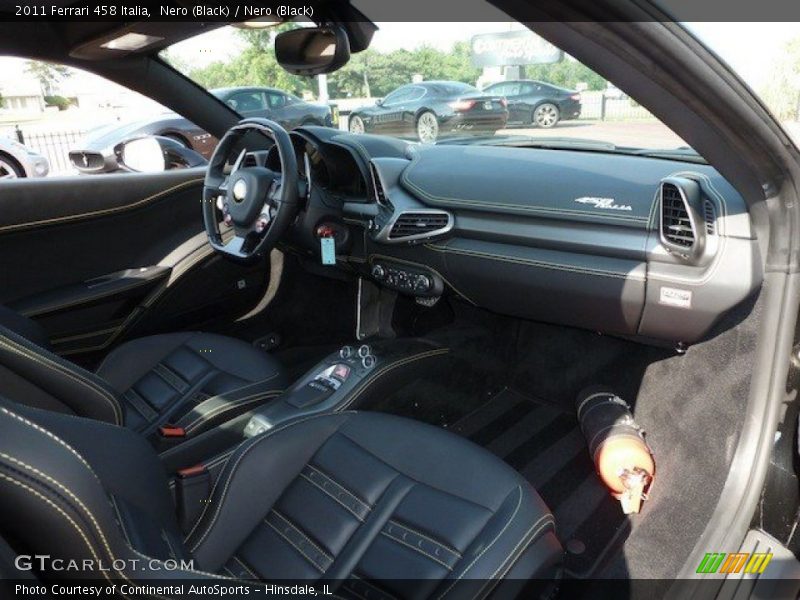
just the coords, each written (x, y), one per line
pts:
(604, 203)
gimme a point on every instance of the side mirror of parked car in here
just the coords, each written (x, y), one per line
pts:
(153, 154)
(312, 50)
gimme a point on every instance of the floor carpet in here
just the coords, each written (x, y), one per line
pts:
(544, 443)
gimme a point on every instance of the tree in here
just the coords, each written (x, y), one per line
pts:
(568, 73)
(48, 74)
(375, 73)
(370, 73)
(255, 65)
(781, 93)
(2, 101)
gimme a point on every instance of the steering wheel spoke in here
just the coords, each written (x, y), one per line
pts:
(275, 192)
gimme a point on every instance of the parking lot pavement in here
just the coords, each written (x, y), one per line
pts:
(638, 134)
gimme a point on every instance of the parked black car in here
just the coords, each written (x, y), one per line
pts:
(96, 152)
(430, 109)
(537, 103)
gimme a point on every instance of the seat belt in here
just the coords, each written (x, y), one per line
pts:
(192, 492)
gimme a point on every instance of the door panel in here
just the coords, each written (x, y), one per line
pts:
(92, 258)
(59, 232)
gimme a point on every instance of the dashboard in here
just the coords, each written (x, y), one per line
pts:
(628, 245)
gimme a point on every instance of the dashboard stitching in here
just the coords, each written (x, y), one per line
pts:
(102, 211)
(539, 264)
(526, 208)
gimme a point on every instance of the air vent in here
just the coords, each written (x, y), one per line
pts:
(710, 216)
(676, 226)
(250, 160)
(414, 225)
(377, 186)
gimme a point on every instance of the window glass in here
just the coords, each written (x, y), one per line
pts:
(767, 57)
(398, 96)
(454, 61)
(276, 100)
(57, 120)
(246, 102)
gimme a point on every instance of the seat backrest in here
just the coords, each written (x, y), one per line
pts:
(77, 489)
(30, 373)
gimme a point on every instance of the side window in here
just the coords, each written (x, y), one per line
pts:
(397, 96)
(247, 102)
(512, 89)
(59, 121)
(276, 100)
(501, 89)
(415, 93)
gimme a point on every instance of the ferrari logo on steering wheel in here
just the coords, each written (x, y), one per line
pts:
(239, 190)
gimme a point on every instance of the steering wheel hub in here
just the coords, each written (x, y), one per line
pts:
(248, 194)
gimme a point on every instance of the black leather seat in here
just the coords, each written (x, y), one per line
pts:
(191, 380)
(379, 506)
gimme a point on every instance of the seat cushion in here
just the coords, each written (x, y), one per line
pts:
(368, 497)
(192, 380)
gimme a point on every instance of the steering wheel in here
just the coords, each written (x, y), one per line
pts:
(256, 205)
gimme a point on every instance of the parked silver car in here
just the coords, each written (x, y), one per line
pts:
(17, 160)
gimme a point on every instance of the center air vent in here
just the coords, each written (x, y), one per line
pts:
(676, 224)
(417, 225)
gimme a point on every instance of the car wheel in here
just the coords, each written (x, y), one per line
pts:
(546, 115)
(355, 124)
(427, 127)
(10, 168)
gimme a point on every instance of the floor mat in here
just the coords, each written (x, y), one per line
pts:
(545, 444)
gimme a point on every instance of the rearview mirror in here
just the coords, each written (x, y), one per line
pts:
(312, 50)
(153, 154)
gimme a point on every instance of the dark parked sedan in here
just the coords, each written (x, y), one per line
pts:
(96, 155)
(537, 103)
(431, 109)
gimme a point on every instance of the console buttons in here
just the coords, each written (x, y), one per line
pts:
(346, 352)
(368, 361)
(423, 283)
(364, 351)
(405, 279)
(341, 372)
(378, 272)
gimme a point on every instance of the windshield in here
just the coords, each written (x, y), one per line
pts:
(464, 83)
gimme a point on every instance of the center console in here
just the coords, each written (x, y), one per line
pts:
(345, 379)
